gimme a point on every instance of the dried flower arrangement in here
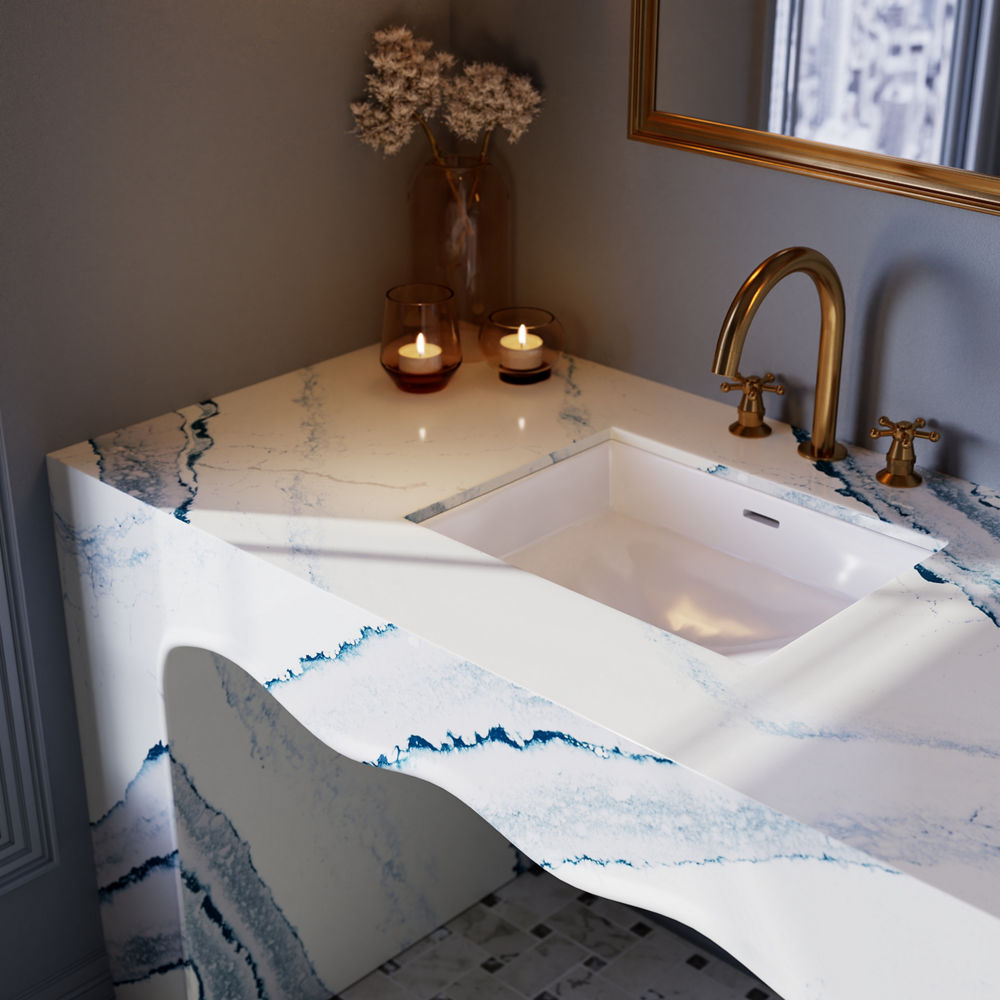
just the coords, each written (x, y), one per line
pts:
(409, 85)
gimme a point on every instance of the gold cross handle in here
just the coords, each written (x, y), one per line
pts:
(901, 458)
(750, 411)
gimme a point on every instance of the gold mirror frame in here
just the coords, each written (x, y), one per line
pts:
(945, 185)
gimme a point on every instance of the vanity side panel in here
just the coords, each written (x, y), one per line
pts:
(234, 850)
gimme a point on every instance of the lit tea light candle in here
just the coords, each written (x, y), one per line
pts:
(521, 351)
(420, 358)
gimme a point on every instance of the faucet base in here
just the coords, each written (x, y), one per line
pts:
(808, 450)
(749, 430)
(905, 480)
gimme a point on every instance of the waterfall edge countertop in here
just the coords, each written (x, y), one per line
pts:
(839, 800)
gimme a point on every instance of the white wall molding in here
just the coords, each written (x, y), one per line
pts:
(27, 842)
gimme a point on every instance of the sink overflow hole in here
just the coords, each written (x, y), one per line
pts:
(771, 522)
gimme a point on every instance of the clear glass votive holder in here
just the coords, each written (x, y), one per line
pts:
(522, 343)
(420, 344)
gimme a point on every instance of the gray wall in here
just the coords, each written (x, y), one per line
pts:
(731, 85)
(184, 213)
(640, 250)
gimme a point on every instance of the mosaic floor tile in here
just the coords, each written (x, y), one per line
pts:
(479, 985)
(498, 936)
(438, 967)
(688, 983)
(539, 939)
(596, 933)
(540, 893)
(516, 914)
(648, 963)
(375, 986)
(551, 958)
(617, 913)
(583, 984)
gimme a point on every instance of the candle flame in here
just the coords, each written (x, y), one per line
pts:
(522, 335)
(421, 345)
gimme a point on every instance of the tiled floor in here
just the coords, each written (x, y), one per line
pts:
(540, 939)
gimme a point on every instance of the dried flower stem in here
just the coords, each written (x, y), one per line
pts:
(435, 149)
(438, 158)
(474, 187)
(486, 145)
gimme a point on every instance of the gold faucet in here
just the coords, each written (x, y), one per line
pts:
(831, 338)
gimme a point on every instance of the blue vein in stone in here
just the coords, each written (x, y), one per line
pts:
(723, 860)
(199, 442)
(970, 504)
(835, 471)
(572, 412)
(993, 503)
(162, 970)
(710, 684)
(96, 548)
(100, 458)
(154, 753)
(949, 492)
(929, 575)
(799, 731)
(216, 846)
(345, 650)
(156, 950)
(136, 875)
(312, 423)
(499, 735)
(193, 885)
(143, 461)
(583, 859)
(965, 577)
(126, 462)
(575, 418)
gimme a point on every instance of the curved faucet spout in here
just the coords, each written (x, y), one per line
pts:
(754, 290)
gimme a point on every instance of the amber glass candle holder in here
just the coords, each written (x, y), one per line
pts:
(420, 345)
(522, 343)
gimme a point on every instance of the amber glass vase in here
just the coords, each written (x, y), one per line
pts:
(460, 233)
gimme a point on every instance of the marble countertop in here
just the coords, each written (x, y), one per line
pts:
(877, 732)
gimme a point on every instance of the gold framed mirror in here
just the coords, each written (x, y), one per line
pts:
(914, 179)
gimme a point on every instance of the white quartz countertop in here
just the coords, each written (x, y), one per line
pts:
(880, 728)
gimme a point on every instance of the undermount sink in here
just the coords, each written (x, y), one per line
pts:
(716, 562)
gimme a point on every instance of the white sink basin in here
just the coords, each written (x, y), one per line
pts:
(716, 562)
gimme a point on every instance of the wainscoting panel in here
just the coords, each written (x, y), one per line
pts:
(27, 845)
